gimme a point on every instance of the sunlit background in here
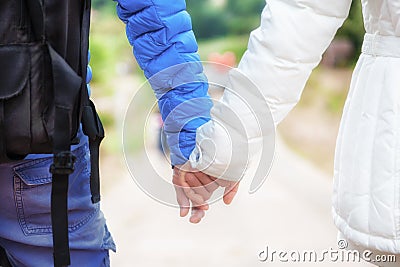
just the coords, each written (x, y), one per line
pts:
(290, 212)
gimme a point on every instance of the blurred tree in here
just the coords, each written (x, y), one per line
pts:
(220, 18)
(97, 4)
(245, 8)
(235, 17)
(353, 28)
(104, 5)
(243, 16)
(212, 18)
(208, 20)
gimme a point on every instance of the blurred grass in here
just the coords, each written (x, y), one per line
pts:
(311, 128)
(109, 48)
(328, 87)
(111, 60)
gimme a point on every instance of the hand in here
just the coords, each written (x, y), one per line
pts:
(197, 187)
(193, 197)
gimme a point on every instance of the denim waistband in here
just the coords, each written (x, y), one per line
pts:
(78, 150)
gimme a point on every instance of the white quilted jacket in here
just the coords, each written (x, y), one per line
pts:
(280, 57)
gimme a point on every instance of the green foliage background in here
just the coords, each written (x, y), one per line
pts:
(239, 17)
(353, 28)
(225, 24)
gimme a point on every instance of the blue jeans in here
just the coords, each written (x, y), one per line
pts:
(25, 222)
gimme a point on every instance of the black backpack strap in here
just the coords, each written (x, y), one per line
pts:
(3, 150)
(4, 262)
(65, 82)
(92, 126)
(66, 85)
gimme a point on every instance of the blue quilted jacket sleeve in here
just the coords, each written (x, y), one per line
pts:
(165, 47)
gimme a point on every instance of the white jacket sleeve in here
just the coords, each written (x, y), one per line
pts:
(281, 54)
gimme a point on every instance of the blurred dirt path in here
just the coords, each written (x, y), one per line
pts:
(292, 211)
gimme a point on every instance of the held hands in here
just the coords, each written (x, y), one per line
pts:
(194, 189)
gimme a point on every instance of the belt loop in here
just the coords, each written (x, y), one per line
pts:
(373, 45)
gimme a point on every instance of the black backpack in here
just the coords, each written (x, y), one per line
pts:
(43, 95)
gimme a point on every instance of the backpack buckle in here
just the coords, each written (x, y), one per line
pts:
(63, 163)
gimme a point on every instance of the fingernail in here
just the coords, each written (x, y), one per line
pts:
(182, 212)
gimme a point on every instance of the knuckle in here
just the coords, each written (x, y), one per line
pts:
(190, 178)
